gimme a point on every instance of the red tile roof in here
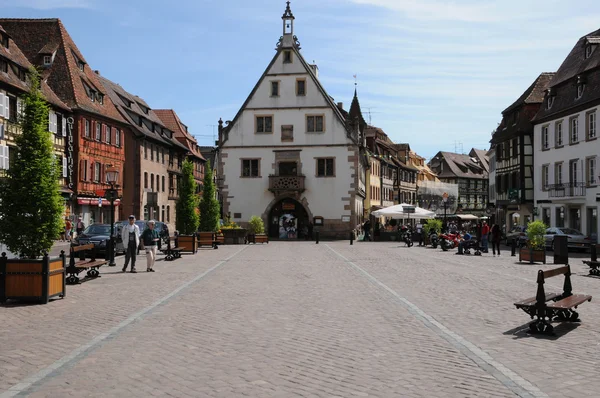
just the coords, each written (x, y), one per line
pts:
(63, 76)
(173, 123)
(14, 54)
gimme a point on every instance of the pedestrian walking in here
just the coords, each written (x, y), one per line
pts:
(496, 239)
(68, 229)
(485, 234)
(367, 228)
(131, 240)
(79, 227)
(150, 237)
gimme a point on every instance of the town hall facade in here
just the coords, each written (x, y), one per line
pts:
(291, 155)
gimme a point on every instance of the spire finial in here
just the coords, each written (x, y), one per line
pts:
(288, 11)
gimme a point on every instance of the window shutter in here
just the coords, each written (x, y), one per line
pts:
(6, 107)
(2, 163)
(50, 121)
(1, 104)
(64, 127)
(56, 123)
(64, 166)
(1, 131)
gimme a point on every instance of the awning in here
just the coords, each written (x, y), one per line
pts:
(467, 217)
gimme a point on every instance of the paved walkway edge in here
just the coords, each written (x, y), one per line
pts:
(507, 377)
(26, 386)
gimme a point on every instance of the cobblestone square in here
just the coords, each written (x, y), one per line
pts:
(301, 319)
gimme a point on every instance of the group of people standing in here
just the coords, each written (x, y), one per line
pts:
(130, 234)
(67, 234)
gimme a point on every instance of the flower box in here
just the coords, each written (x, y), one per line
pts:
(31, 279)
(187, 243)
(236, 236)
(533, 256)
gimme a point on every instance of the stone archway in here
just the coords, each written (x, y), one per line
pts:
(286, 217)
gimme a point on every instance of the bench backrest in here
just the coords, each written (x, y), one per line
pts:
(82, 249)
(542, 275)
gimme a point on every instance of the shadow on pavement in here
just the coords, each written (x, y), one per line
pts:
(560, 329)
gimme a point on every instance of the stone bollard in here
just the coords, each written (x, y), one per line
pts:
(317, 237)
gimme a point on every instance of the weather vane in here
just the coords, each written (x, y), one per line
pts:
(355, 83)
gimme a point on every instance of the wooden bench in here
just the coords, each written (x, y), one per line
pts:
(207, 239)
(76, 266)
(552, 306)
(172, 252)
(594, 264)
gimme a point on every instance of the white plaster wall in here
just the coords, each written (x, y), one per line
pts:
(251, 196)
(568, 152)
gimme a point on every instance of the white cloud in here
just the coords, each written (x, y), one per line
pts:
(48, 4)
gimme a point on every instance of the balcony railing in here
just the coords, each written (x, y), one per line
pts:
(571, 189)
(286, 183)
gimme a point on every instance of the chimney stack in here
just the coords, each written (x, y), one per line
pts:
(340, 105)
(315, 69)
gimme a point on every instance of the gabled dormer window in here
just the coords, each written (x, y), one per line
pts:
(4, 40)
(47, 60)
(101, 98)
(92, 95)
(580, 90)
(550, 102)
(589, 49)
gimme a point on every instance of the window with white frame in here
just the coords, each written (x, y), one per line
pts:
(545, 140)
(98, 131)
(558, 132)
(549, 102)
(108, 134)
(591, 125)
(558, 173)
(118, 137)
(574, 136)
(4, 157)
(590, 165)
(545, 176)
(97, 170)
(87, 128)
(573, 172)
(588, 51)
(47, 59)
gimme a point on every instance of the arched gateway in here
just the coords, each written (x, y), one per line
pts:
(288, 219)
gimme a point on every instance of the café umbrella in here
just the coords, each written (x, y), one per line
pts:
(404, 210)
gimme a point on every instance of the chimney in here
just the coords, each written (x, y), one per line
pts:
(315, 69)
(97, 72)
(340, 105)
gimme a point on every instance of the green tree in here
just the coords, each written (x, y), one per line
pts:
(209, 205)
(30, 202)
(187, 217)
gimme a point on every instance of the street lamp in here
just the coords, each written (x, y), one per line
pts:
(112, 177)
(445, 200)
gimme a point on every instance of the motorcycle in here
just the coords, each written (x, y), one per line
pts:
(434, 239)
(449, 241)
(406, 236)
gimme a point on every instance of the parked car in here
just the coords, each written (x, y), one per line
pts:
(160, 226)
(98, 234)
(518, 234)
(575, 239)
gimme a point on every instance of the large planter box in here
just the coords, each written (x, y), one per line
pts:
(533, 256)
(207, 239)
(187, 243)
(235, 236)
(32, 280)
(258, 238)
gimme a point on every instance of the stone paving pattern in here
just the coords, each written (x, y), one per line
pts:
(294, 319)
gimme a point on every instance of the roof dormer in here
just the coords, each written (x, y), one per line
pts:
(590, 44)
(4, 39)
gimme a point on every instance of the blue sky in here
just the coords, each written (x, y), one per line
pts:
(436, 74)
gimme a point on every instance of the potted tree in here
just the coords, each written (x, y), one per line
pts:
(233, 233)
(31, 209)
(256, 230)
(535, 251)
(187, 217)
(209, 210)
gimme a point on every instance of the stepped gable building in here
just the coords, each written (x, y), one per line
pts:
(566, 145)
(97, 124)
(513, 146)
(180, 132)
(14, 83)
(470, 173)
(291, 155)
(154, 159)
